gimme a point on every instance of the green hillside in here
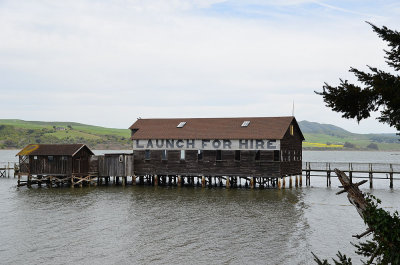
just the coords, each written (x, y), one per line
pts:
(326, 136)
(19, 133)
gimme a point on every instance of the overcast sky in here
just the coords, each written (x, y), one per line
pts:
(109, 62)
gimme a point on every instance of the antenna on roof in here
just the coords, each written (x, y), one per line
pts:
(293, 109)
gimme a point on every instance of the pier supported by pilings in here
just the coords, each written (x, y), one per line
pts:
(227, 182)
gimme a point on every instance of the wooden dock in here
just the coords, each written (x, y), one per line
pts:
(369, 171)
(6, 168)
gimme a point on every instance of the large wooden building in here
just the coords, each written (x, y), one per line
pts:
(268, 147)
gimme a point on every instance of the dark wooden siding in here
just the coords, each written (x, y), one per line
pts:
(247, 166)
(59, 165)
(118, 165)
(291, 152)
(80, 163)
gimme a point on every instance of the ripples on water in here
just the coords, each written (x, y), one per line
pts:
(164, 225)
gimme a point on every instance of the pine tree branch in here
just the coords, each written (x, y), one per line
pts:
(369, 231)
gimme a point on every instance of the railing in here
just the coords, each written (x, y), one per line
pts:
(6, 168)
(388, 169)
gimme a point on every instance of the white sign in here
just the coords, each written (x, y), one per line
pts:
(169, 144)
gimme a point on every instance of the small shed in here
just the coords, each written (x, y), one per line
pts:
(116, 164)
(55, 159)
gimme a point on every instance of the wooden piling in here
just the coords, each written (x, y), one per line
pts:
(228, 185)
(283, 182)
(370, 176)
(251, 182)
(391, 176)
(290, 182)
(179, 181)
(133, 180)
(203, 181)
(155, 180)
(296, 183)
(279, 183)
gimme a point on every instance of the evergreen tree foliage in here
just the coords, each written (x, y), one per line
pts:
(378, 90)
(383, 246)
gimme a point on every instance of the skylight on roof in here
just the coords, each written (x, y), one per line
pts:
(245, 123)
(181, 124)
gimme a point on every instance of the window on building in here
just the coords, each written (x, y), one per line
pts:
(147, 154)
(35, 157)
(219, 155)
(51, 158)
(133, 131)
(291, 130)
(181, 124)
(199, 154)
(245, 123)
(276, 155)
(183, 155)
(64, 158)
(237, 155)
(164, 155)
(121, 158)
(258, 155)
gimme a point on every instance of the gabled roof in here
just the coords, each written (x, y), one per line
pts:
(213, 128)
(52, 149)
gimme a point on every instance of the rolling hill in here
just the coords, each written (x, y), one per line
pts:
(15, 134)
(18, 133)
(327, 136)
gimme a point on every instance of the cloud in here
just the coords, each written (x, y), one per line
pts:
(108, 63)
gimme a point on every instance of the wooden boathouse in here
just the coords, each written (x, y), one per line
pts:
(48, 162)
(72, 164)
(256, 150)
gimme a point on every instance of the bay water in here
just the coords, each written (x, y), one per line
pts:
(188, 225)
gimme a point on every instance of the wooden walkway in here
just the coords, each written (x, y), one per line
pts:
(368, 171)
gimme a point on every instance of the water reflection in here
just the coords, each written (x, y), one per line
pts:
(144, 224)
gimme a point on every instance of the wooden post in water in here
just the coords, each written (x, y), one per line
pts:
(391, 176)
(328, 174)
(296, 182)
(301, 180)
(123, 181)
(290, 182)
(370, 176)
(179, 181)
(155, 180)
(351, 172)
(133, 180)
(228, 185)
(279, 183)
(283, 182)
(251, 182)
(203, 181)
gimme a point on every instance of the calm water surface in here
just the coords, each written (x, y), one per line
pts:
(168, 225)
